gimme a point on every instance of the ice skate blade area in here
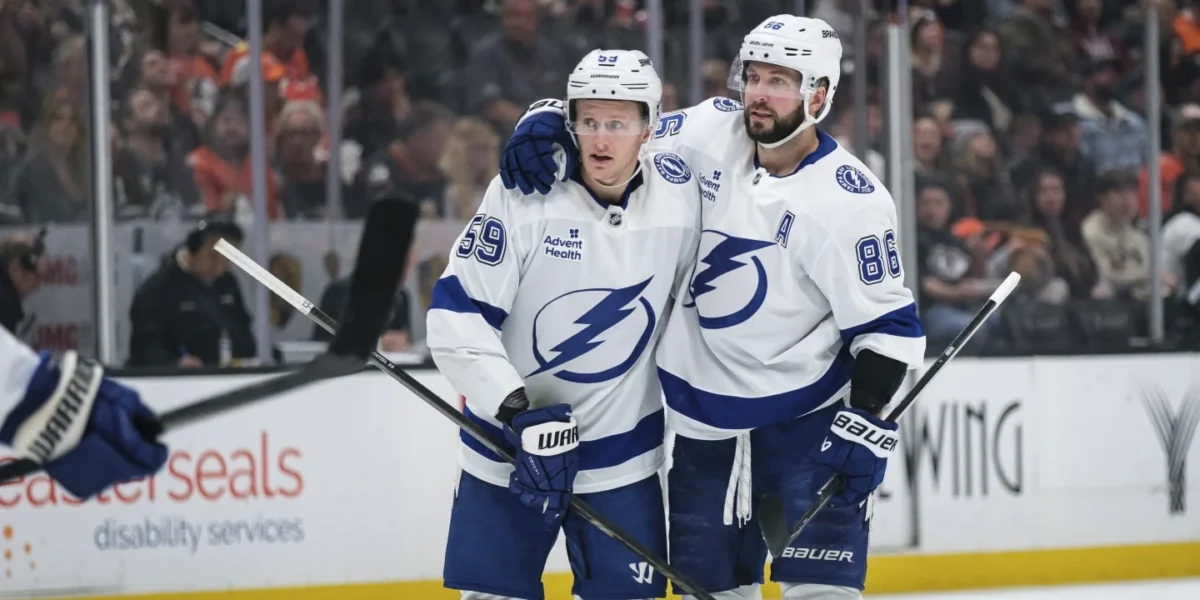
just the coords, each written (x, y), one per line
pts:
(1170, 589)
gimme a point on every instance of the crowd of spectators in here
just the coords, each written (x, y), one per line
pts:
(1030, 138)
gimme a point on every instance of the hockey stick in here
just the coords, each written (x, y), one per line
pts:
(776, 541)
(580, 507)
(388, 229)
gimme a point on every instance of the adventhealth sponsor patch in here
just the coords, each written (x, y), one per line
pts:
(672, 167)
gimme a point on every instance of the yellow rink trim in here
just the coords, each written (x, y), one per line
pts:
(888, 574)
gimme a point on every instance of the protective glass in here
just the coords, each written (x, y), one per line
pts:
(765, 79)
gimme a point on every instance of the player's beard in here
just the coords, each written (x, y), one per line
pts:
(780, 129)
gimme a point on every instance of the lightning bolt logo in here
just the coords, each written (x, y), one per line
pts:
(722, 259)
(612, 309)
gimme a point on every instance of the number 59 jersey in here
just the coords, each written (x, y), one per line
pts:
(567, 296)
(795, 276)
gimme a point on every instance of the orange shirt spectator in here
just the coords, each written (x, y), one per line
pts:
(274, 69)
(196, 91)
(1183, 156)
(222, 184)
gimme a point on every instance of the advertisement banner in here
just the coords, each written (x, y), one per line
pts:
(1117, 460)
(345, 481)
(966, 445)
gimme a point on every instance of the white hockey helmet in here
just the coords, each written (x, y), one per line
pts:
(616, 75)
(808, 46)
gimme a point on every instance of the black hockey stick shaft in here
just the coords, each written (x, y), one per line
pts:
(837, 482)
(450, 412)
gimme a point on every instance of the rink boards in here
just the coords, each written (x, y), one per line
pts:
(1011, 471)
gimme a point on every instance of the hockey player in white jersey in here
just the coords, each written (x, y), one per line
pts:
(546, 321)
(82, 427)
(795, 331)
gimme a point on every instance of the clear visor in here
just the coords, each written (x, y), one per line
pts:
(757, 79)
(607, 125)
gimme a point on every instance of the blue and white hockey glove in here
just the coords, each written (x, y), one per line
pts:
(547, 440)
(540, 150)
(857, 448)
(84, 429)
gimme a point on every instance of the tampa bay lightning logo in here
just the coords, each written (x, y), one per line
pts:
(672, 167)
(725, 258)
(727, 104)
(619, 312)
(853, 180)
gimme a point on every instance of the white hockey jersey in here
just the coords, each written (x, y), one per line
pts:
(19, 361)
(567, 296)
(795, 275)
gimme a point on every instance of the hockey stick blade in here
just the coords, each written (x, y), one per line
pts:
(837, 482)
(473, 429)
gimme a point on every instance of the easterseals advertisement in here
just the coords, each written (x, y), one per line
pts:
(349, 480)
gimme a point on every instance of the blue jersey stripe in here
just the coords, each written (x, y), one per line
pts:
(734, 412)
(449, 294)
(601, 453)
(902, 322)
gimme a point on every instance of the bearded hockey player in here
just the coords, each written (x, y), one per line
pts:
(79, 425)
(546, 321)
(795, 330)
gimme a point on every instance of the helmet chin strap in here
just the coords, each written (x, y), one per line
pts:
(637, 169)
(805, 124)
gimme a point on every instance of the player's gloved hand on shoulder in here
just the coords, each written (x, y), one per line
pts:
(540, 150)
(87, 431)
(547, 442)
(857, 448)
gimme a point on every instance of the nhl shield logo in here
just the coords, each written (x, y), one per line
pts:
(614, 219)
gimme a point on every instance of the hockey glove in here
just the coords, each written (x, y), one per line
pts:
(547, 459)
(84, 429)
(540, 150)
(857, 448)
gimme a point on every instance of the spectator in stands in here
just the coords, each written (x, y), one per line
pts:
(157, 75)
(929, 72)
(409, 166)
(286, 26)
(1060, 148)
(1037, 50)
(1181, 239)
(984, 187)
(221, 167)
(301, 164)
(1091, 41)
(70, 72)
(1112, 135)
(1071, 260)
(1182, 156)
(949, 290)
(928, 158)
(23, 264)
(176, 31)
(384, 103)
(516, 67)
(1120, 250)
(842, 129)
(985, 91)
(51, 183)
(470, 164)
(191, 312)
(152, 178)
(1023, 139)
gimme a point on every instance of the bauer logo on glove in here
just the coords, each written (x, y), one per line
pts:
(852, 427)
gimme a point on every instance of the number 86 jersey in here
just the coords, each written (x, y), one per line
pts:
(795, 275)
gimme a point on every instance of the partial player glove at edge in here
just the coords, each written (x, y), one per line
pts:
(540, 150)
(547, 442)
(83, 428)
(857, 447)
